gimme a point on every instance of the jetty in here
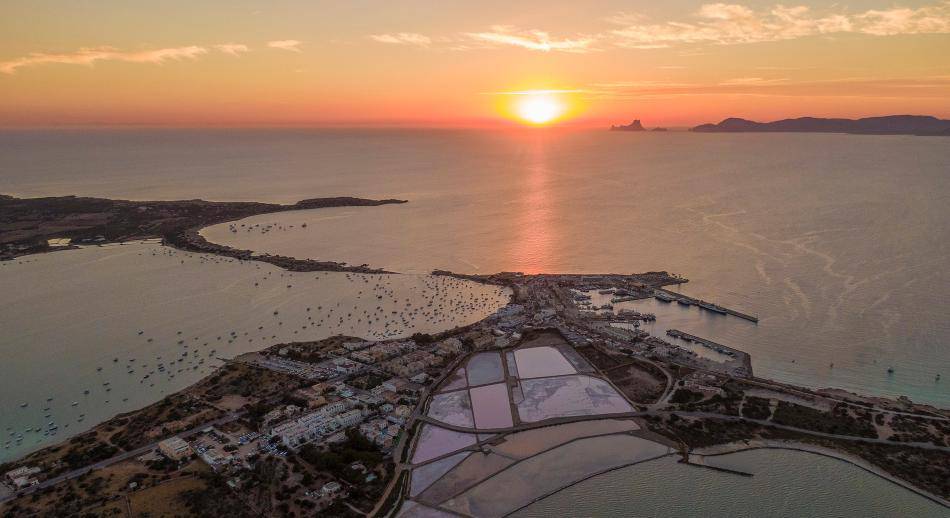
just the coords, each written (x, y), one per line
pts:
(669, 296)
(700, 462)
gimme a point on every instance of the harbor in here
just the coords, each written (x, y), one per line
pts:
(725, 350)
(671, 296)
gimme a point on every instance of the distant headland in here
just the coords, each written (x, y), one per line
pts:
(923, 125)
(634, 126)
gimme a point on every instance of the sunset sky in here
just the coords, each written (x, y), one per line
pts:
(449, 63)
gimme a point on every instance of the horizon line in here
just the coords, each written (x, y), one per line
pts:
(422, 124)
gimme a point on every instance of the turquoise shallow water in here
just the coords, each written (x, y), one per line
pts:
(105, 330)
(839, 243)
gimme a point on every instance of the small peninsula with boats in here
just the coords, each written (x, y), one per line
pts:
(560, 384)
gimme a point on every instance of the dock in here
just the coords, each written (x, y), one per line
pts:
(741, 356)
(665, 295)
(723, 349)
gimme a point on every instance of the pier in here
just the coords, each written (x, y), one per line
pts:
(665, 295)
(700, 462)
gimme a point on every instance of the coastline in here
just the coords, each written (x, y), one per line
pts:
(31, 222)
(769, 444)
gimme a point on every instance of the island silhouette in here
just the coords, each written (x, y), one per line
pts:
(634, 126)
(924, 125)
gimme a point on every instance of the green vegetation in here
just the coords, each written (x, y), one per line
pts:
(395, 495)
(422, 338)
(839, 421)
(338, 460)
(685, 397)
(727, 404)
(80, 456)
(915, 429)
(756, 408)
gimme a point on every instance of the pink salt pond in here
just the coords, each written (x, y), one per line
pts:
(563, 396)
(540, 362)
(485, 368)
(436, 442)
(455, 381)
(491, 406)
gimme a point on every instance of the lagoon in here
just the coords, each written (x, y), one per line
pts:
(784, 483)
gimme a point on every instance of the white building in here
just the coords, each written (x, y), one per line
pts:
(21, 472)
(350, 418)
(394, 384)
(331, 408)
(451, 346)
(216, 459)
(310, 426)
(356, 346)
(175, 448)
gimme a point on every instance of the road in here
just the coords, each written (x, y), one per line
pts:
(118, 458)
(781, 387)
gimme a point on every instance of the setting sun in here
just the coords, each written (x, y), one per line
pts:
(539, 108)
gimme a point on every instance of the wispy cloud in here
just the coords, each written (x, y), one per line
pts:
(291, 45)
(496, 36)
(233, 49)
(506, 35)
(929, 19)
(403, 38)
(89, 56)
(716, 23)
(730, 24)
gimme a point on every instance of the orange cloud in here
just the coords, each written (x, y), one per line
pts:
(290, 45)
(89, 56)
(730, 24)
(403, 38)
(715, 23)
(232, 48)
(496, 36)
(531, 40)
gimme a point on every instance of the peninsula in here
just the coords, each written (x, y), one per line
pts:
(922, 125)
(37, 225)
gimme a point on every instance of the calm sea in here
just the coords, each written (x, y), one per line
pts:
(839, 243)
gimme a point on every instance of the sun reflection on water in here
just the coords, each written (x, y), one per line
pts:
(537, 230)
